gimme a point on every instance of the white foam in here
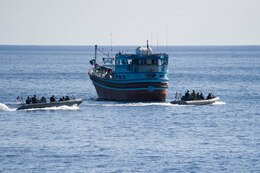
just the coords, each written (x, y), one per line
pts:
(4, 107)
(132, 104)
(219, 103)
(139, 104)
(74, 107)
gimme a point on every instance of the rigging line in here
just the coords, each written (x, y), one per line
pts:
(103, 52)
(111, 44)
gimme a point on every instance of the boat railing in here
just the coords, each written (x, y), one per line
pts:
(103, 72)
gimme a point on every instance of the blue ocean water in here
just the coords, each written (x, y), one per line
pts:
(131, 137)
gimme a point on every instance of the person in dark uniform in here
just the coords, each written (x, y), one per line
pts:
(43, 100)
(209, 96)
(187, 95)
(34, 99)
(52, 99)
(28, 100)
(193, 94)
(62, 99)
(67, 98)
(201, 96)
(198, 96)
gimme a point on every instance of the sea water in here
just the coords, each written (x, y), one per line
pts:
(105, 136)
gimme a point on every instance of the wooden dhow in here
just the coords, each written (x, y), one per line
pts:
(131, 77)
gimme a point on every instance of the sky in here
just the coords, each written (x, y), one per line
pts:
(129, 22)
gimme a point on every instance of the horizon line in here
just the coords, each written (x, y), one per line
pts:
(210, 45)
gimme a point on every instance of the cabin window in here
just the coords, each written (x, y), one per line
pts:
(121, 62)
(149, 61)
(129, 61)
(141, 62)
(155, 61)
(159, 62)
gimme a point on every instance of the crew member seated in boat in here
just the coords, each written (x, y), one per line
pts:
(193, 95)
(52, 99)
(209, 96)
(201, 97)
(62, 99)
(67, 98)
(43, 100)
(28, 100)
(186, 96)
(34, 99)
(198, 96)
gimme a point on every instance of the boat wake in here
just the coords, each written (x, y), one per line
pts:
(70, 108)
(5, 108)
(138, 104)
(219, 103)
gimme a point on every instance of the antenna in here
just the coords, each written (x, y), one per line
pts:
(157, 35)
(147, 47)
(152, 38)
(157, 41)
(95, 54)
(111, 43)
(166, 39)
